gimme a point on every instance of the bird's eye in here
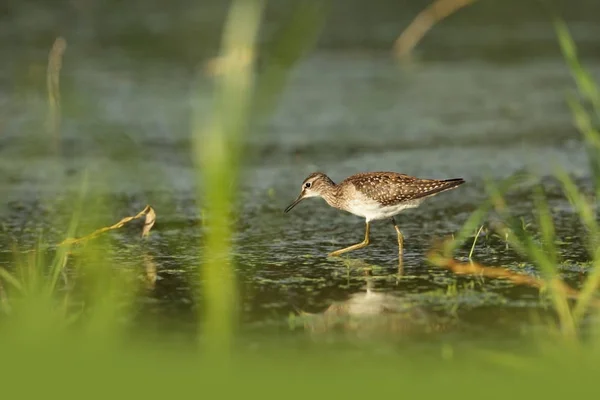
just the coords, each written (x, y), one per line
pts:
(307, 185)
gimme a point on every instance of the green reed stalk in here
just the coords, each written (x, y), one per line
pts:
(542, 253)
(217, 150)
(584, 208)
(589, 98)
(583, 119)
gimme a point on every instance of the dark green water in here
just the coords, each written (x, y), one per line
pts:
(484, 98)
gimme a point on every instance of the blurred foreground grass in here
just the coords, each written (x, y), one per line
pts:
(153, 372)
(64, 327)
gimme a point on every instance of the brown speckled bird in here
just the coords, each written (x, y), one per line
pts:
(373, 196)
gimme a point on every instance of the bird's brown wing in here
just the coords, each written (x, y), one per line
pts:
(390, 188)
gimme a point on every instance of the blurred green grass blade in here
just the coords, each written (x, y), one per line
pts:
(546, 225)
(477, 217)
(512, 229)
(587, 217)
(578, 201)
(588, 89)
(60, 258)
(11, 279)
(217, 151)
(591, 137)
(585, 83)
(583, 122)
(589, 289)
(524, 242)
(582, 206)
(518, 237)
(109, 298)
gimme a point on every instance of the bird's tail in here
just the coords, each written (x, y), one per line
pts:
(444, 185)
(452, 183)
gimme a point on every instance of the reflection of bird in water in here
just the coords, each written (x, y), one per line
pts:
(370, 312)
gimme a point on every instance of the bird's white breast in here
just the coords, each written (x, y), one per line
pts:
(372, 210)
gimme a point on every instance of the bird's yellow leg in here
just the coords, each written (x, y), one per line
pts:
(400, 239)
(357, 246)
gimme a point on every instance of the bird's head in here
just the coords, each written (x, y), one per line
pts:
(315, 185)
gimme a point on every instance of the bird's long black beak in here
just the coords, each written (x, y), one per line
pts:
(298, 200)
